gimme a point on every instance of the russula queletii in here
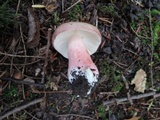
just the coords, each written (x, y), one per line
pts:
(76, 41)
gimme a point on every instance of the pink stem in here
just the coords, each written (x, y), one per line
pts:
(79, 57)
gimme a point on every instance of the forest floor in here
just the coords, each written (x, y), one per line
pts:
(33, 75)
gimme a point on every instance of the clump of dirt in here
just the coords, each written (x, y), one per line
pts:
(80, 86)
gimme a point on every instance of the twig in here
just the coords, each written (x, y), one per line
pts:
(131, 65)
(19, 1)
(119, 100)
(25, 59)
(18, 64)
(46, 53)
(31, 115)
(12, 55)
(127, 88)
(138, 34)
(76, 115)
(24, 106)
(24, 47)
(72, 6)
(152, 45)
(53, 92)
(118, 64)
(22, 82)
(105, 20)
(96, 23)
(62, 6)
(130, 51)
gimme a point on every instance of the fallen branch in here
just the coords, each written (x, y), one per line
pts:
(119, 100)
(16, 109)
(22, 82)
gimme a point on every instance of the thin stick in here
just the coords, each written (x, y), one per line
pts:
(118, 64)
(53, 92)
(104, 20)
(72, 6)
(127, 88)
(31, 115)
(46, 53)
(62, 6)
(16, 64)
(130, 51)
(24, 106)
(24, 47)
(19, 1)
(152, 45)
(22, 82)
(76, 115)
(12, 55)
(119, 100)
(25, 59)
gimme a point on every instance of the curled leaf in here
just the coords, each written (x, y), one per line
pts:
(140, 81)
(34, 30)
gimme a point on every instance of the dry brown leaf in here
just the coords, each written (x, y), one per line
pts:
(34, 29)
(43, 104)
(51, 5)
(140, 81)
(17, 75)
(51, 85)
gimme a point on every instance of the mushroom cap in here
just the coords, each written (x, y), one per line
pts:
(89, 34)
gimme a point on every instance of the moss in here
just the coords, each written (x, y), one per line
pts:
(105, 68)
(156, 30)
(156, 33)
(117, 87)
(108, 9)
(155, 12)
(11, 92)
(101, 112)
(6, 15)
(113, 75)
(56, 19)
(75, 13)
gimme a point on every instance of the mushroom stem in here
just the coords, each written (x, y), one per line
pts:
(80, 61)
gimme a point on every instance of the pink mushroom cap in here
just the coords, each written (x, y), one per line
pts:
(77, 41)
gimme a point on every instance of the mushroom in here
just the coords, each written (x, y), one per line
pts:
(76, 41)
